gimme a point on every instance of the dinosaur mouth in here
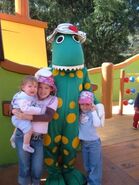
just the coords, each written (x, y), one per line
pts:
(70, 68)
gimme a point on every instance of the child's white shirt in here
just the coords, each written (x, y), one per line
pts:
(27, 104)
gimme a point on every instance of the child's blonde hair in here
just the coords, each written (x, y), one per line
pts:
(26, 79)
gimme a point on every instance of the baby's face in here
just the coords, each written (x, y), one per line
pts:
(30, 88)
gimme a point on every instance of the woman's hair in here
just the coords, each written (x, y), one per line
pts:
(27, 79)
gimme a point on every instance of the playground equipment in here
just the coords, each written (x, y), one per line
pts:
(119, 82)
(127, 78)
(22, 51)
(107, 84)
(22, 40)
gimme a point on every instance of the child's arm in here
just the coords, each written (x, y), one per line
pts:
(101, 113)
(25, 107)
(96, 119)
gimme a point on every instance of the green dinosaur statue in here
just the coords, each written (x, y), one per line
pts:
(71, 78)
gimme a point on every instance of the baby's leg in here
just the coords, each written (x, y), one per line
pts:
(26, 142)
(26, 127)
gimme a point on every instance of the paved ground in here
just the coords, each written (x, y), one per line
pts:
(120, 154)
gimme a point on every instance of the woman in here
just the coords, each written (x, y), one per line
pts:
(31, 164)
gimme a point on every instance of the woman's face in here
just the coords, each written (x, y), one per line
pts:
(44, 90)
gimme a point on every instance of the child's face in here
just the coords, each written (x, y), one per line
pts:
(30, 88)
(85, 107)
(44, 90)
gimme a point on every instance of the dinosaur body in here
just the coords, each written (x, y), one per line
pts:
(71, 78)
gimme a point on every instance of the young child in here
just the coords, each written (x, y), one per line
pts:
(90, 141)
(136, 115)
(25, 100)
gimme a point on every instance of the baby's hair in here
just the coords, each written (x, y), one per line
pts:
(27, 79)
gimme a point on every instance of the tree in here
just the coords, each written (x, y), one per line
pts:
(106, 22)
(108, 32)
(133, 15)
(6, 6)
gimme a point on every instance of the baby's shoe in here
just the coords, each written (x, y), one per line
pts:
(28, 148)
(12, 140)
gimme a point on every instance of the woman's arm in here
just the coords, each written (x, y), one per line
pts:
(45, 117)
(35, 118)
(21, 115)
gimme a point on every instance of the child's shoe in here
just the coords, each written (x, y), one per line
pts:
(135, 125)
(135, 128)
(28, 148)
(12, 140)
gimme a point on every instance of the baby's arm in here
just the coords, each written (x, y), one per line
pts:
(25, 107)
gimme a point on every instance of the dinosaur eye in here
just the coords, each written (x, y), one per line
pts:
(60, 39)
(75, 37)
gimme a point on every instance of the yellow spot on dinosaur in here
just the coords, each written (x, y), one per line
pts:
(80, 87)
(87, 85)
(65, 140)
(47, 140)
(72, 162)
(62, 73)
(57, 138)
(55, 72)
(60, 102)
(72, 105)
(79, 74)
(56, 116)
(65, 166)
(71, 75)
(54, 149)
(49, 161)
(75, 142)
(66, 152)
(71, 117)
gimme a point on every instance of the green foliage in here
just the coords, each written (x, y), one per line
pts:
(106, 22)
(108, 36)
(133, 6)
(6, 6)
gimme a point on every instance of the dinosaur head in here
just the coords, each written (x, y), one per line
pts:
(67, 52)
